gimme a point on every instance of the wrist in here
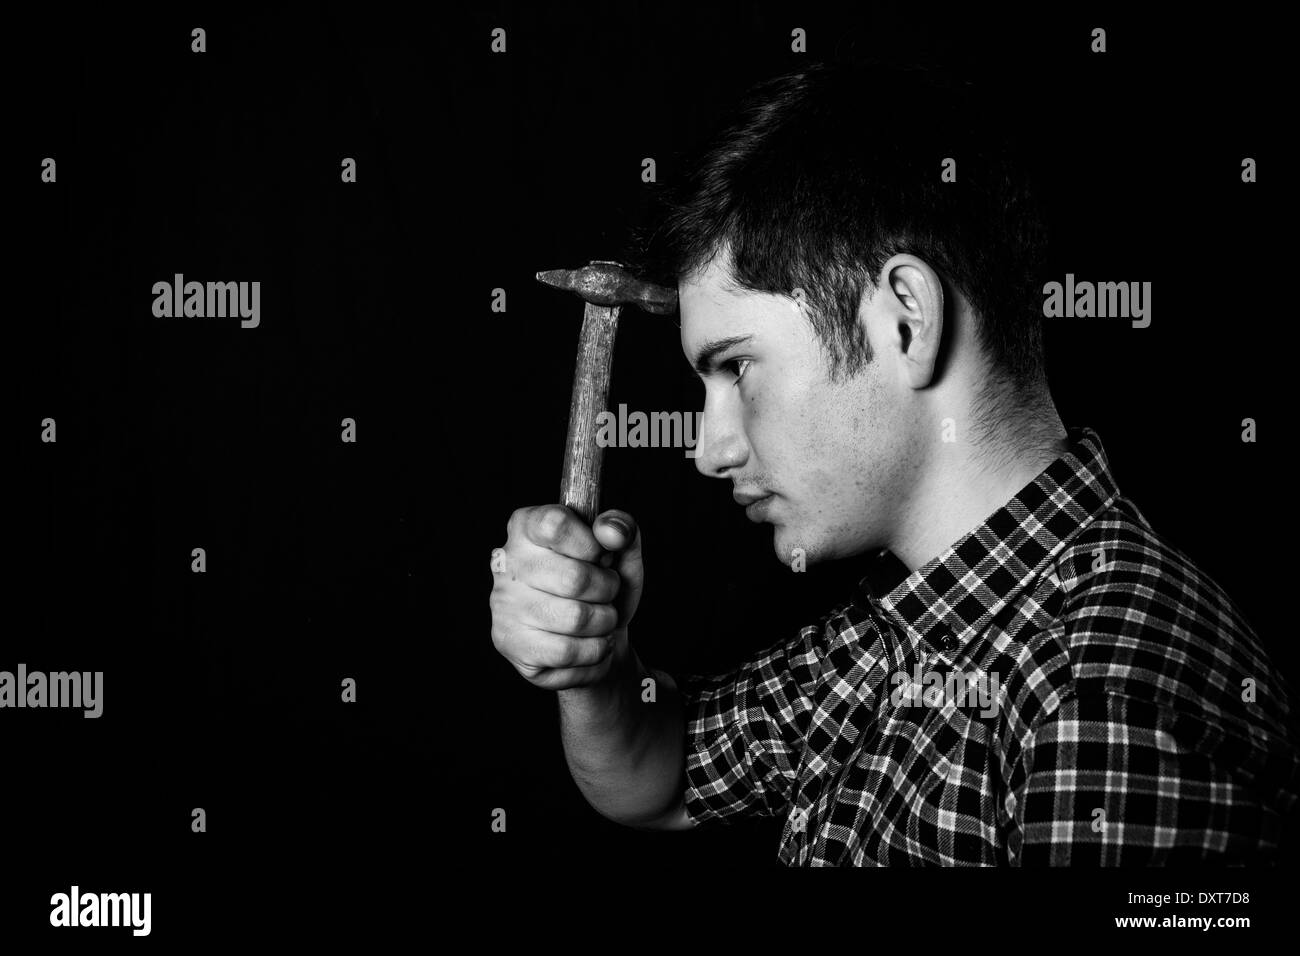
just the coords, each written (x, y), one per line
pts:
(602, 701)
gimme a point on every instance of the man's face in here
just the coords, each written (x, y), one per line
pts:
(831, 462)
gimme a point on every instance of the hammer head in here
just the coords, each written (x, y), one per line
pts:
(608, 283)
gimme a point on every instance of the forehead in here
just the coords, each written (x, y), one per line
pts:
(712, 307)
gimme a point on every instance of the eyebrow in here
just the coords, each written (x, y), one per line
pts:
(704, 358)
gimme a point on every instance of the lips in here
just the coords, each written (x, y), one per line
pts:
(753, 503)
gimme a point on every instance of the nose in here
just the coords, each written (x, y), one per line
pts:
(721, 445)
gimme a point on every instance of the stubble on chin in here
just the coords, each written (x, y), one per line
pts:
(789, 548)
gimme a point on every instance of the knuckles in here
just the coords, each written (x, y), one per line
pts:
(563, 616)
(540, 523)
(581, 614)
(549, 524)
(575, 579)
(569, 656)
(570, 616)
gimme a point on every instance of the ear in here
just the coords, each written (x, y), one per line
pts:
(918, 292)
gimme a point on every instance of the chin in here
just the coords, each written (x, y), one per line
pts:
(784, 542)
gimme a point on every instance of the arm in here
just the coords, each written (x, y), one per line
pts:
(707, 747)
(627, 754)
(1110, 780)
(563, 595)
(710, 747)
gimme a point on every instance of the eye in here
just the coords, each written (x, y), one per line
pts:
(734, 366)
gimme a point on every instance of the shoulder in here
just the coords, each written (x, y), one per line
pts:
(1132, 602)
(1138, 619)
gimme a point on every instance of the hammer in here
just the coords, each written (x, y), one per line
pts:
(605, 287)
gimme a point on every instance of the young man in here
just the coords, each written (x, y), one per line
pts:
(1029, 673)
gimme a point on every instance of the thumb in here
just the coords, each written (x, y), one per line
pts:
(618, 533)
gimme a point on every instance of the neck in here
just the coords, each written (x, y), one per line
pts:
(970, 478)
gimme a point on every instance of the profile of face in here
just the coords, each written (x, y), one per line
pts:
(830, 464)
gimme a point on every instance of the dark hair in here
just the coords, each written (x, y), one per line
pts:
(805, 195)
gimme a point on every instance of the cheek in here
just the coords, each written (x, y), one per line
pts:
(809, 434)
(792, 409)
(790, 438)
(835, 440)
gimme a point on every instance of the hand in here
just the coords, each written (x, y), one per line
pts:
(563, 594)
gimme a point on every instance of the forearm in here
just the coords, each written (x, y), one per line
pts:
(626, 754)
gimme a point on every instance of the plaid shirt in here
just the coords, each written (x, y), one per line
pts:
(1129, 713)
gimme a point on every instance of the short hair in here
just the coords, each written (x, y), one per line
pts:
(803, 196)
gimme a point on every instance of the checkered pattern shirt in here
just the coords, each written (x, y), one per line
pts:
(1061, 686)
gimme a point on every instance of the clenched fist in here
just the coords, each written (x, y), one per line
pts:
(563, 593)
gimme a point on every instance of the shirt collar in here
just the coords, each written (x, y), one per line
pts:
(951, 598)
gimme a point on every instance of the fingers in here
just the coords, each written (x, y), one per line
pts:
(553, 651)
(559, 529)
(566, 677)
(558, 593)
(614, 529)
(618, 531)
(564, 577)
(535, 654)
(567, 617)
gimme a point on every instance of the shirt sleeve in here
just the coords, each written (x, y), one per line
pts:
(745, 729)
(1108, 780)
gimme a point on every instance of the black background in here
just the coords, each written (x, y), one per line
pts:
(370, 560)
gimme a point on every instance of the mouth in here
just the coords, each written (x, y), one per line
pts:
(755, 505)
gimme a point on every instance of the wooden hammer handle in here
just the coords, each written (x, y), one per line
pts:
(580, 484)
